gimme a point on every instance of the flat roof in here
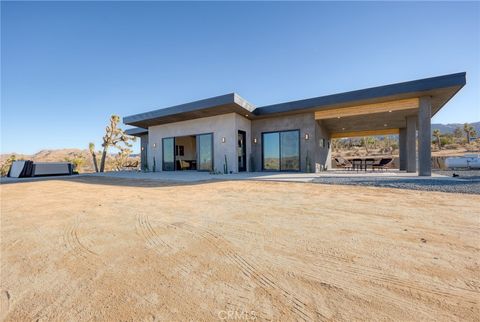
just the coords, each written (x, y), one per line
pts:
(136, 131)
(229, 103)
(440, 88)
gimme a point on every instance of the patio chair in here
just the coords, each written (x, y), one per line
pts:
(183, 165)
(357, 164)
(343, 163)
(383, 164)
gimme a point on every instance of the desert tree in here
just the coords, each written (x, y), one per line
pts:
(114, 137)
(91, 148)
(121, 159)
(367, 142)
(458, 133)
(436, 134)
(469, 131)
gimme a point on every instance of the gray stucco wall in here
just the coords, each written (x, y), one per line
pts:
(323, 152)
(222, 126)
(227, 126)
(309, 149)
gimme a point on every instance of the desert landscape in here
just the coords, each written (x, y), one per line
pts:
(97, 248)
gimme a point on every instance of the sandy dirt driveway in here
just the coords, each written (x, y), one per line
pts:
(107, 249)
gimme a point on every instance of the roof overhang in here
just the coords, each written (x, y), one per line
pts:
(136, 131)
(379, 108)
(441, 89)
(229, 103)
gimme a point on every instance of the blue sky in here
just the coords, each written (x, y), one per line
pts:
(67, 66)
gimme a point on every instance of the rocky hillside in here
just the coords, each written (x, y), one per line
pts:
(61, 155)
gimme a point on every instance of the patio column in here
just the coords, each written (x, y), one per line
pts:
(402, 148)
(424, 137)
(411, 143)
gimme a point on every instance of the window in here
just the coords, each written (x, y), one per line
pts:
(179, 150)
(168, 163)
(205, 152)
(281, 151)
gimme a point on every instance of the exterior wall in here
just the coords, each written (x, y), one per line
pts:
(227, 126)
(222, 126)
(309, 149)
(323, 149)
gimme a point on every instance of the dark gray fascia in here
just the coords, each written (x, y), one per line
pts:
(205, 104)
(353, 97)
(136, 131)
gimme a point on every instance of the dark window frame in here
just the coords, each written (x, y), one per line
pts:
(280, 151)
(198, 151)
(163, 153)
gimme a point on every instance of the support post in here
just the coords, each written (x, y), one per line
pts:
(411, 143)
(402, 148)
(424, 137)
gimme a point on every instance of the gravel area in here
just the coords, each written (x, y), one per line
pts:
(467, 182)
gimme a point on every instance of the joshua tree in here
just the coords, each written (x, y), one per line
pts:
(121, 158)
(91, 147)
(458, 133)
(366, 142)
(436, 134)
(113, 137)
(468, 129)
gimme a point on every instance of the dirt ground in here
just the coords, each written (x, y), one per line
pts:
(110, 249)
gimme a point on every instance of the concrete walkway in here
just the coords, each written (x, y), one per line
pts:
(388, 179)
(195, 176)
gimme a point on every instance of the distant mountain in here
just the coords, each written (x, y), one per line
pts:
(62, 155)
(449, 128)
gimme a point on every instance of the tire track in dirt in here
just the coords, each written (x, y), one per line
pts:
(75, 247)
(365, 291)
(297, 306)
(154, 241)
(412, 288)
(74, 244)
(55, 309)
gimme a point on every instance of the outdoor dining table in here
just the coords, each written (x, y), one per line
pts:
(362, 163)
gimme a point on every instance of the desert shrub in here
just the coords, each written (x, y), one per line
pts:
(452, 146)
(77, 160)
(5, 167)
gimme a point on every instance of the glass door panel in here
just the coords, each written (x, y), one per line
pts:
(271, 151)
(168, 153)
(205, 152)
(290, 151)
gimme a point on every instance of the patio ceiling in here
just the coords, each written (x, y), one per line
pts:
(368, 119)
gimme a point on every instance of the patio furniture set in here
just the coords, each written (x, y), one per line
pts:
(359, 164)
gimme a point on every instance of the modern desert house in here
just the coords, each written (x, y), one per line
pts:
(227, 133)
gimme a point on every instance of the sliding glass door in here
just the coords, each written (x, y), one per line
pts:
(205, 152)
(168, 152)
(281, 151)
(271, 151)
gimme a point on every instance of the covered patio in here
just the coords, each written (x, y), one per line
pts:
(406, 112)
